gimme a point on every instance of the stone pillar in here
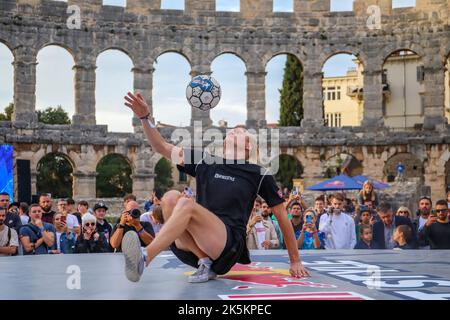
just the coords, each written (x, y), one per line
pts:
(143, 83)
(433, 97)
(313, 108)
(197, 114)
(84, 92)
(373, 98)
(84, 184)
(25, 87)
(256, 98)
(143, 184)
(33, 181)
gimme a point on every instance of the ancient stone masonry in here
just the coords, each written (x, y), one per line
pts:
(256, 34)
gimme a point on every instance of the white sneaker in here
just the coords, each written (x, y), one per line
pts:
(134, 258)
(203, 274)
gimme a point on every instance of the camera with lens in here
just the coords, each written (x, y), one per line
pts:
(135, 213)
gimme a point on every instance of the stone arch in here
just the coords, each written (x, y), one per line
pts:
(60, 77)
(274, 76)
(114, 176)
(240, 55)
(127, 52)
(342, 163)
(6, 76)
(60, 45)
(270, 56)
(170, 82)
(343, 101)
(184, 52)
(113, 68)
(414, 167)
(8, 45)
(328, 53)
(54, 174)
(402, 90)
(230, 70)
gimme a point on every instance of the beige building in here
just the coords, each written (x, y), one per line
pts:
(447, 90)
(343, 99)
(402, 93)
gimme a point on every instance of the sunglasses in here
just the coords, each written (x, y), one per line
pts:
(441, 210)
(89, 224)
(403, 212)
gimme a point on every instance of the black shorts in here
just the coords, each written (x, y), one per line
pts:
(235, 251)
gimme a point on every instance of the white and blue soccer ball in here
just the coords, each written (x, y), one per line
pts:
(203, 92)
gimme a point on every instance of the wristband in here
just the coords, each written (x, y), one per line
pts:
(147, 118)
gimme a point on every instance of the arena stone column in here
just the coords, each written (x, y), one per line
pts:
(85, 92)
(373, 98)
(24, 87)
(198, 115)
(143, 83)
(143, 184)
(433, 97)
(256, 98)
(84, 185)
(313, 108)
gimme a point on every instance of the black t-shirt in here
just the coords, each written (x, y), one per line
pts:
(439, 235)
(13, 221)
(147, 227)
(105, 228)
(229, 189)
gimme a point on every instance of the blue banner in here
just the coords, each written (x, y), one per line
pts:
(6, 169)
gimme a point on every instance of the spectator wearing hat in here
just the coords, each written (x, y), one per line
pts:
(102, 225)
(90, 240)
(130, 222)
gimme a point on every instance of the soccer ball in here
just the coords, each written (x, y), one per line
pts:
(203, 92)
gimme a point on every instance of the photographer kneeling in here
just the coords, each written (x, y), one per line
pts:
(130, 221)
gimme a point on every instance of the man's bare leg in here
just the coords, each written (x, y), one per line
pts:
(185, 242)
(207, 230)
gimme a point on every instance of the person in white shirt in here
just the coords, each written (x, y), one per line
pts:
(9, 241)
(70, 219)
(338, 227)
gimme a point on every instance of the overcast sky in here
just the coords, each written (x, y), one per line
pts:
(114, 78)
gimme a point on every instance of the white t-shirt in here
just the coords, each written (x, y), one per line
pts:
(339, 231)
(14, 242)
(58, 240)
(72, 221)
(145, 217)
(25, 219)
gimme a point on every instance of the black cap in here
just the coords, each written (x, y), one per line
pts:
(100, 205)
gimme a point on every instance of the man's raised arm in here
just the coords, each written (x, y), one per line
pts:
(140, 108)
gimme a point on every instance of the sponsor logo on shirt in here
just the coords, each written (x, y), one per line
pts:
(219, 176)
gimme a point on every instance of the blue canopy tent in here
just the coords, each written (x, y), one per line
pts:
(341, 182)
(377, 184)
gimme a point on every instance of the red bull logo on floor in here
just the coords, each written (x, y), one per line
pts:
(254, 276)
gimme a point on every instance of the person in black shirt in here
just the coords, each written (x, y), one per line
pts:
(130, 221)
(12, 219)
(91, 240)
(209, 233)
(102, 225)
(437, 228)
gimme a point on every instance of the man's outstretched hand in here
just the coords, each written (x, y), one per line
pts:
(137, 104)
(297, 270)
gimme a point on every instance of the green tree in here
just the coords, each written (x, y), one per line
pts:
(163, 170)
(291, 94)
(113, 177)
(54, 175)
(7, 116)
(53, 116)
(289, 169)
